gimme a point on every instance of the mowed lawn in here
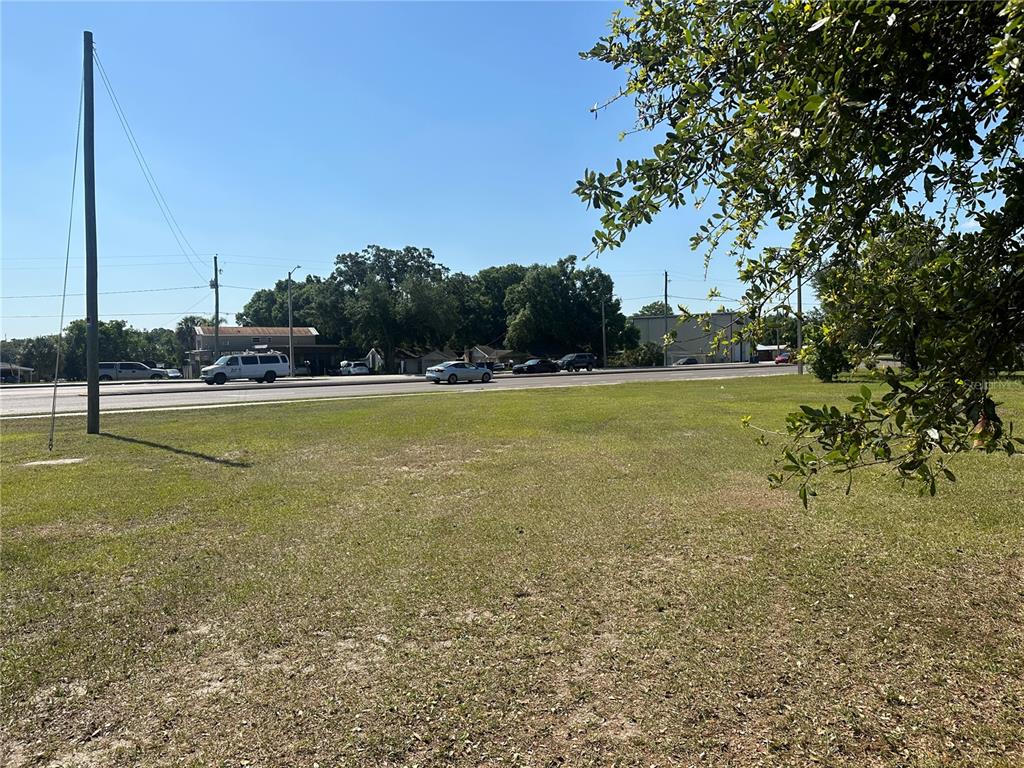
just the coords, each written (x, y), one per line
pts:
(586, 576)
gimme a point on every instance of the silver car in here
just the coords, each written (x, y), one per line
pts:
(455, 370)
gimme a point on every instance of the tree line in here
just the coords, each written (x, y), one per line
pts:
(117, 341)
(388, 299)
(392, 299)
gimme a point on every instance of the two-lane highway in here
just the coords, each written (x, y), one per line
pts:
(35, 400)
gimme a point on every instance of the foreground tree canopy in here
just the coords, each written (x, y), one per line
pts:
(884, 139)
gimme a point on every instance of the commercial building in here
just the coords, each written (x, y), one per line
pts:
(693, 339)
(306, 342)
(13, 374)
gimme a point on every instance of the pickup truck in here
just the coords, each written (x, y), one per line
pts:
(130, 372)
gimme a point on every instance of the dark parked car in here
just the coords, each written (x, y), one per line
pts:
(578, 361)
(686, 361)
(536, 365)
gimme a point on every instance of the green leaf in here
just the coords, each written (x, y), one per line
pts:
(813, 104)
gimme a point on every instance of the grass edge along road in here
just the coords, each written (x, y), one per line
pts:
(582, 575)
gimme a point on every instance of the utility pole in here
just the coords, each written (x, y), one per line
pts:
(92, 311)
(604, 339)
(667, 313)
(215, 284)
(799, 320)
(291, 344)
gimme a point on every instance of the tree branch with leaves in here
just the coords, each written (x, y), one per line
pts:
(822, 121)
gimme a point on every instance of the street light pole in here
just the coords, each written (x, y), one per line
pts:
(664, 340)
(799, 321)
(291, 343)
(604, 339)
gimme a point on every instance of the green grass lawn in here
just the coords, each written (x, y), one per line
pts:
(587, 576)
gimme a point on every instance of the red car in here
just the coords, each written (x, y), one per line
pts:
(783, 359)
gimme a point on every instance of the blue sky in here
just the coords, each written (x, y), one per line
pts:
(283, 134)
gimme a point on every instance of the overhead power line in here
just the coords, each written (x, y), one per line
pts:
(116, 316)
(154, 188)
(103, 293)
(718, 298)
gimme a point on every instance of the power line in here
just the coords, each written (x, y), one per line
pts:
(116, 316)
(154, 188)
(103, 293)
(116, 256)
(704, 298)
(201, 299)
(119, 265)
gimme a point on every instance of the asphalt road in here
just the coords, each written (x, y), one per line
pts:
(158, 395)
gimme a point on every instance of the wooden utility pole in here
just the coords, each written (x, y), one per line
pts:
(215, 284)
(92, 334)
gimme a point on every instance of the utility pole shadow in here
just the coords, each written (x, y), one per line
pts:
(179, 451)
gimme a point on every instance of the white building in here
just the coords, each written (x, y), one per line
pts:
(691, 338)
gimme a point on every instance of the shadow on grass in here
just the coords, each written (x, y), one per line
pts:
(179, 451)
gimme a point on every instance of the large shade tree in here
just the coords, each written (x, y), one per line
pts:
(393, 298)
(556, 309)
(311, 306)
(819, 121)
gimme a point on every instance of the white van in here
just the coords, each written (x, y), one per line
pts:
(258, 366)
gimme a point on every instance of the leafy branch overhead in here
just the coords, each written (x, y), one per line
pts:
(847, 126)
